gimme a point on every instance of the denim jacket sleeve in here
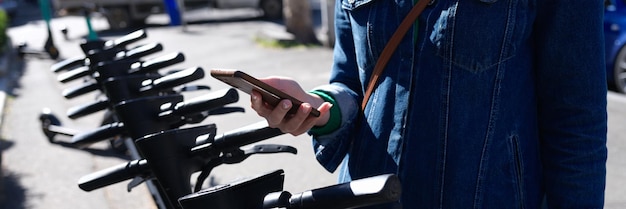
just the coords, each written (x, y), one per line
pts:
(330, 149)
(571, 89)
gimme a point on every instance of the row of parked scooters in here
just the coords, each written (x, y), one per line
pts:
(145, 112)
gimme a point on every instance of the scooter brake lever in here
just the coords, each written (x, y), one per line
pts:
(136, 182)
(201, 116)
(226, 110)
(270, 148)
(237, 156)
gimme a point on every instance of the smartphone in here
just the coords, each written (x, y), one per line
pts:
(247, 83)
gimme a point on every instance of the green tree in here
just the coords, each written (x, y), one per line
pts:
(4, 24)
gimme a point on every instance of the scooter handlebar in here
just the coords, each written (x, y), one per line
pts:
(174, 79)
(115, 43)
(110, 55)
(358, 193)
(205, 149)
(80, 111)
(68, 63)
(142, 51)
(156, 63)
(127, 39)
(113, 175)
(236, 138)
(84, 88)
(74, 74)
(102, 133)
(203, 103)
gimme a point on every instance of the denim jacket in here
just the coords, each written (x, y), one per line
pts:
(487, 104)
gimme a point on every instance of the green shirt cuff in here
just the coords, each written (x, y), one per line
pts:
(334, 121)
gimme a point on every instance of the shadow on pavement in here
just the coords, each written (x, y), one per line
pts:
(11, 80)
(98, 152)
(12, 193)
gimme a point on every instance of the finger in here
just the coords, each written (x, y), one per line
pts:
(296, 120)
(310, 121)
(278, 114)
(325, 108)
(257, 104)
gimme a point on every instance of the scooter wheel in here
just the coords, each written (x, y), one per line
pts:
(47, 119)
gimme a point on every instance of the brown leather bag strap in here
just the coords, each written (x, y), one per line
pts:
(391, 46)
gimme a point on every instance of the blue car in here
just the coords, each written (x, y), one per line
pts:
(615, 40)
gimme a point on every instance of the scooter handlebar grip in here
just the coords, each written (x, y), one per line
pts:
(158, 63)
(74, 74)
(68, 63)
(143, 50)
(175, 79)
(102, 133)
(80, 90)
(246, 135)
(358, 193)
(127, 39)
(206, 102)
(113, 175)
(80, 111)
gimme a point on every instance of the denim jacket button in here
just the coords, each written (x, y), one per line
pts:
(432, 2)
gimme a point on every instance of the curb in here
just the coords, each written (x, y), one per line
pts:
(6, 61)
(5, 72)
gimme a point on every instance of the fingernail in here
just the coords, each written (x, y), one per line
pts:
(286, 105)
(254, 97)
(306, 108)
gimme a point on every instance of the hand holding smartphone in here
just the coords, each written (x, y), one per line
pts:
(247, 83)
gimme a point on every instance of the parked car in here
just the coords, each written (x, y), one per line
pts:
(615, 40)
